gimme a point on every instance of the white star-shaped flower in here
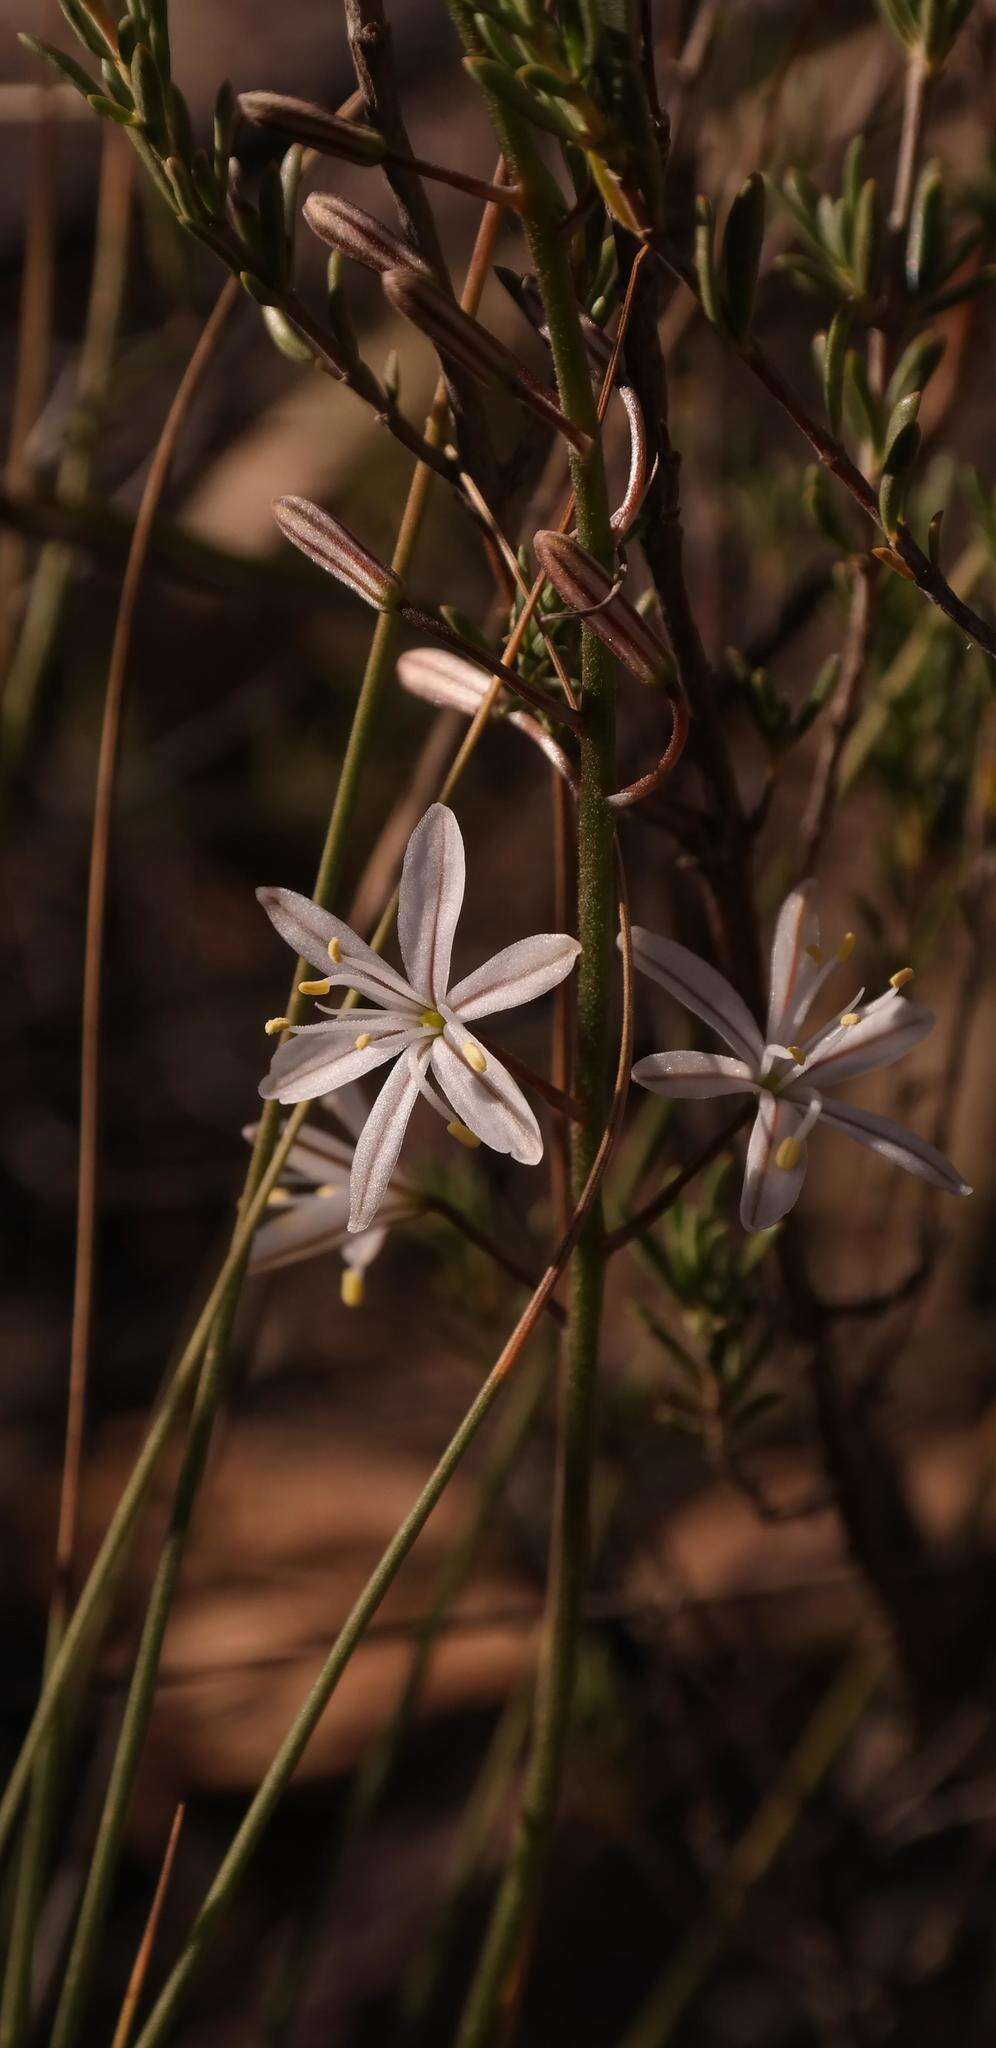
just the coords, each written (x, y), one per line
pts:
(786, 1071)
(308, 1213)
(419, 1023)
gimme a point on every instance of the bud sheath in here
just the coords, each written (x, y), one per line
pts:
(351, 232)
(323, 131)
(587, 588)
(335, 549)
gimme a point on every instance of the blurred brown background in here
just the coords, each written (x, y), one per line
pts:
(712, 1633)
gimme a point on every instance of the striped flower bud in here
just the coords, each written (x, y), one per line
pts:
(351, 232)
(323, 131)
(456, 335)
(587, 588)
(334, 548)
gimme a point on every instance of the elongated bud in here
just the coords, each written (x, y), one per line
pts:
(351, 232)
(304, 122)
(465, 341)
(334, 548)
(443, 679)
(584, 585)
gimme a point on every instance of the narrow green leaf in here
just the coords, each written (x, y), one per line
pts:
(865, 240)
(743, 238)
(67, 65)
(915, 367)
(705, 265)
(895, 477)
(834, 354)
(925, 241)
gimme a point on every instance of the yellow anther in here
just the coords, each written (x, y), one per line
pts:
(363, 1041)
(460, 1132)
(816, 954)
(850, 1018)
(846, 947)
(797, 1054)
(788, 1154)
(901, 977)
(274, 1025)
(474, 1057)
(335, 951)
(277, 1198)
(352, 1287)
(328, 1189)
(314, 988)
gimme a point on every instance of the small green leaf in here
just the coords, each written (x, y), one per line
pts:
(112, 110)
(743, 238)
(705, 266)
(925, 241)
(895, 477)
(834, 356)
(863, 408)
(915, 367)
(900, 417)
(67, 65)
(865, 239)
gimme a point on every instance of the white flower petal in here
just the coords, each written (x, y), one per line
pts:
(379, 1143)
(308, 929)
(490, 1104)
(316, 1156)
(793, 970)
(687, 1074)
(442, 678)
(701, 989)
(896, 1143)
(350, 1107)
(319, 1057)
(887, 1030)
(769, 1190)
(301, 1230)
(432, 885)
(361, 1250)
(518, 974)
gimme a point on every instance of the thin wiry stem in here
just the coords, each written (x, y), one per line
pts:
(140, 1970)
(380, 1757)
(243, 1848)
(841, 715)
(34, 339)
(50, 583)
(814, 1755)
(834, 457)
(214, 1373)
(30, 1877)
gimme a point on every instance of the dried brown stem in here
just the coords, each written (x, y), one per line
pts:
(140, 1969)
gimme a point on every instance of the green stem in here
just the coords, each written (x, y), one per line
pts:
(214, 1376)
(379, 1759)
(499, 1968)
(50, 584)
(233, 1867)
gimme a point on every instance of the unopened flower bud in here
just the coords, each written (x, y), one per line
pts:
(443, 679)
(587, 588)
(354, 233)
(456, 335)
(334, 548)
(323, 131)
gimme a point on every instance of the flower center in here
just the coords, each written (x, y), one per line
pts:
(432, 1020)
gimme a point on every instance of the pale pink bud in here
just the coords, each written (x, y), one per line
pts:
(443, 679)
(354, 233)
(588, 589)
(304, 122)
(335, 549)
(456, 335)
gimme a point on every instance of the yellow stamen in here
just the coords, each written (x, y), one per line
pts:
(788, 1154)
(460, 1132)
(274, 1025)
(850, 1018)
(432, 1020)
(901, 977)
(352, 1287)
(328, 1188)
(474, 1057)
(363, 1041)
(335, 951)
(797, 1054)
(315, 988)
(846, 947)
(815, 953)
(276, 1198)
